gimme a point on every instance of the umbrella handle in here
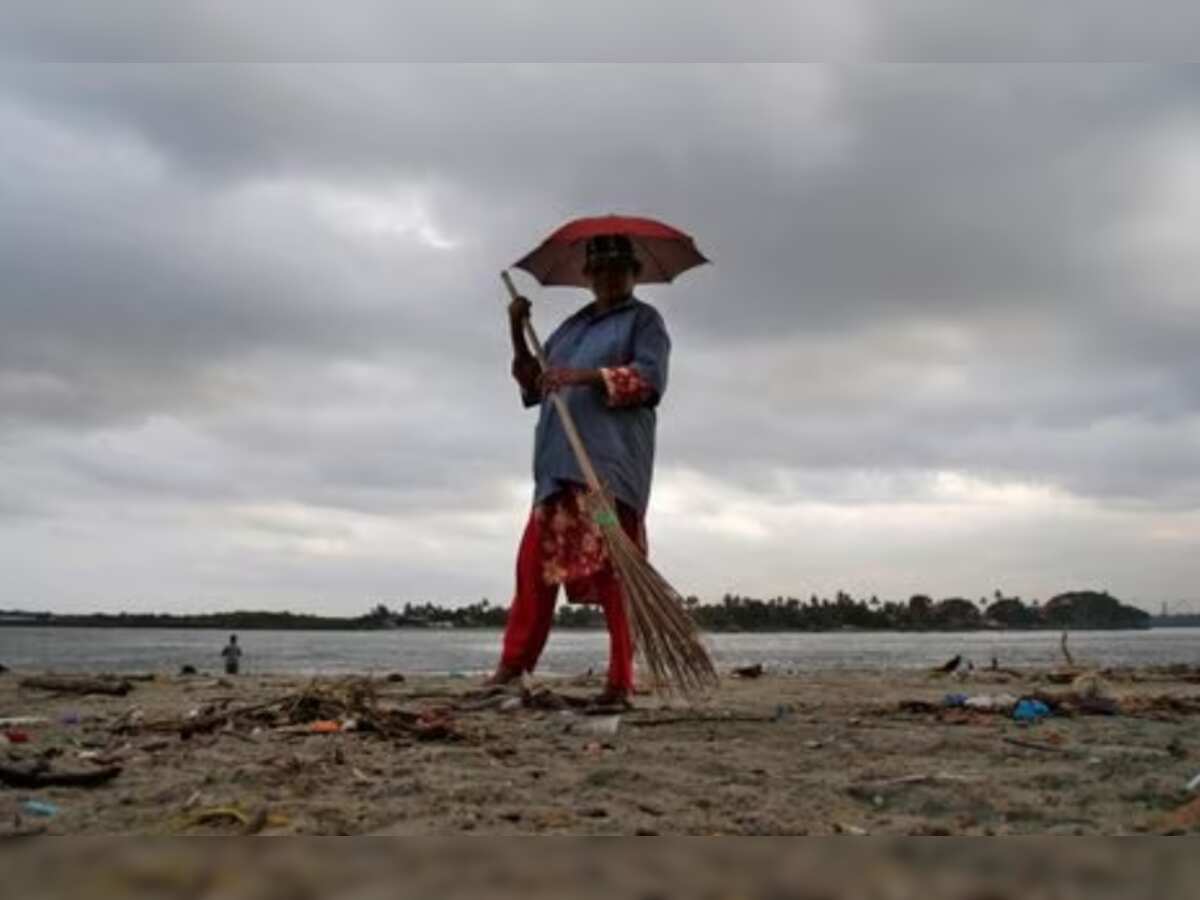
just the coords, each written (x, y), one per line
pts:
(573, 436)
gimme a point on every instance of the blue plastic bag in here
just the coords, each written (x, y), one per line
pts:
(40, 809)
(1029, 710)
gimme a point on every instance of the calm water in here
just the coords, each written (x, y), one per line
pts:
(96, 650)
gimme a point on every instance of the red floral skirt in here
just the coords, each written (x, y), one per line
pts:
(571, 547)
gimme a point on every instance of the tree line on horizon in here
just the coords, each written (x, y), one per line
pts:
(1074, 610)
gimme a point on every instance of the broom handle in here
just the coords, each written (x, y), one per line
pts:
(573, 436)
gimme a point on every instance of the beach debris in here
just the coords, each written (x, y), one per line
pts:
(602, 726)
(40, 809)
(1194, 784)
(81, 686)
(4, 670)
(40, 776)
(953, 701)
(1186, 816)
(1067, 677)
(919, 707)
(584, 679)
(991, 702)
(1166, 707)
(248, 823)
(1030, 711)
(1092, 695)
(338, 701)
(1066, 651)
(949, 667)
(395, 678)
(754, 671)
(186, 671)
(849, 830)
(23, 722)
(325, 727)
(17, 737)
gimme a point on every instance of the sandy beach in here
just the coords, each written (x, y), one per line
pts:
(829, 753)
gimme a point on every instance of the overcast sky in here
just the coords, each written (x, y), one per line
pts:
(252, 343)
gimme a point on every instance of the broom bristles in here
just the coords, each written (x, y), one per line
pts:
(665, 635)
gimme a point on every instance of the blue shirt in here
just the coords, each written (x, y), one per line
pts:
(620, 440)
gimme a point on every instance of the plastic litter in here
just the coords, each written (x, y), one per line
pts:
(17, 737)
(1029, 710)
(1194, 784)
(953, 701)
(991, 703)
(326, 728)
(40, 809)
(598, 725)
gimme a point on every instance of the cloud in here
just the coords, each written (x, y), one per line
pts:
(254, 346)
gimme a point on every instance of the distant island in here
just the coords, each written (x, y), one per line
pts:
(1073, 611)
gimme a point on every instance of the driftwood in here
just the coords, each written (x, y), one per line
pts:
(950, 666)
(755, 671)
(1065, 652)
(1045, 748)
(140, 677)
(81, 686)
(27, 778)
(318, 702)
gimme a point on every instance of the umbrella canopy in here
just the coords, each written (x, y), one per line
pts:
(663, 251)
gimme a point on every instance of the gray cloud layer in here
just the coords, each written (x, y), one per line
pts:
(252, 350)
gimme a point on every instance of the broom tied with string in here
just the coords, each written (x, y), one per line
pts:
(664, 634)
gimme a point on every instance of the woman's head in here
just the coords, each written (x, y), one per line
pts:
(612, 266)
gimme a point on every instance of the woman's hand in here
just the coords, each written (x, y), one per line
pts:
(519, 310)
(558, 378)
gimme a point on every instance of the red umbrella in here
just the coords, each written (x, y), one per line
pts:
(663, 251)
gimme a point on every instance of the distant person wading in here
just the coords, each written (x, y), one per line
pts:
(609, 361)
(232, 655)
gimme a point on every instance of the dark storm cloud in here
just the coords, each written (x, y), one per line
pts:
(886, 195)
(448, 31)
(1028, 31)
(619, 30)
(265, 291)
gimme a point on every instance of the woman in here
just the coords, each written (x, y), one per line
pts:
(609, 362)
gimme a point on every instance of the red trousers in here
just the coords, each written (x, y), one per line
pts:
(532, 611)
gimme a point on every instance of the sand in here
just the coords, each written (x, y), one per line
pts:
(820, 753)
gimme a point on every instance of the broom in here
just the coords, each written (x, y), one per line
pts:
(664, 635)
